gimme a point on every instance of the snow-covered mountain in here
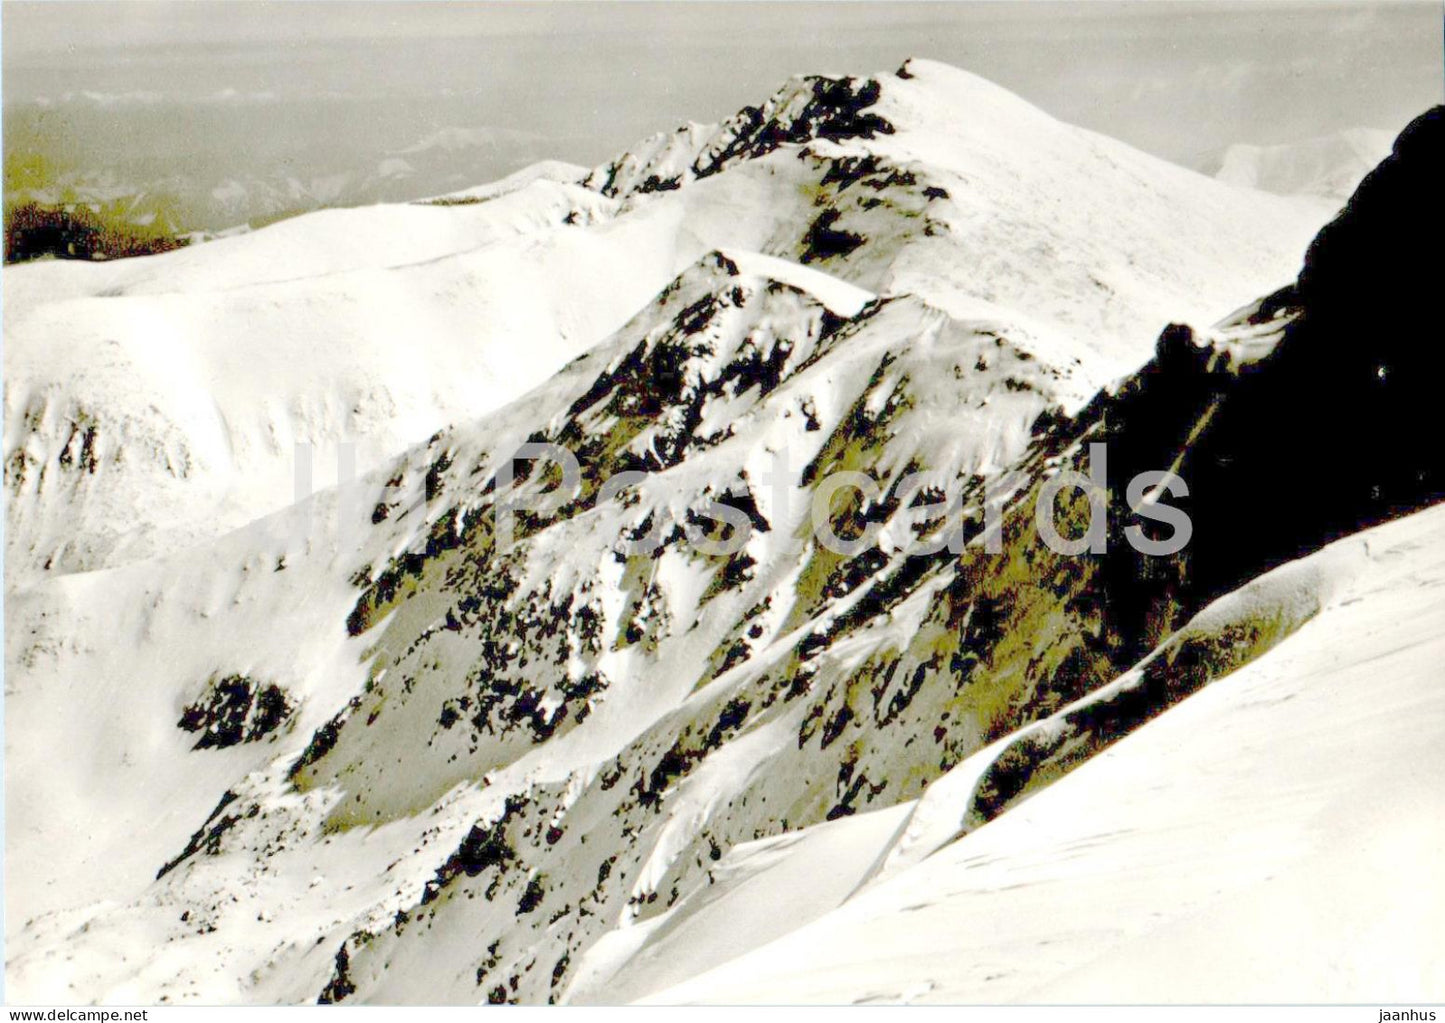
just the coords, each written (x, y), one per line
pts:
(1330, 166)
(364, 749)
(157, 403)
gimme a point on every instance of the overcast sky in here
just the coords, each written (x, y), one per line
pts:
(580, 81)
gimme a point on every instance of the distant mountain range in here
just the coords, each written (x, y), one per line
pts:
(1329, 167)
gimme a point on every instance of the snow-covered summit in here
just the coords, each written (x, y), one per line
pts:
(935, 181)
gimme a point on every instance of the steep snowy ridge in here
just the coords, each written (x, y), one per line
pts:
(421, 764)
(698, 309)
(273, 568)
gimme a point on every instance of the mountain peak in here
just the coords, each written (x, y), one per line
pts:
(922, 95)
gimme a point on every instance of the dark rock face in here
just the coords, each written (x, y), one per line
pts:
(1335, 430)
(1339, 428)
(1387, 240)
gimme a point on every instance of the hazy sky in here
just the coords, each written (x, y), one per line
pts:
(581, 80)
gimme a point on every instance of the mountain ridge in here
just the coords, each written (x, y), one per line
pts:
(497, 770)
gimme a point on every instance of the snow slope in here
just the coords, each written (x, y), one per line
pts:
(1272, 838)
